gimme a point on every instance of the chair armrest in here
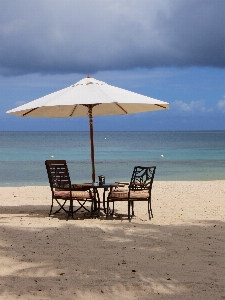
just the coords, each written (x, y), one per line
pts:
(81, 186)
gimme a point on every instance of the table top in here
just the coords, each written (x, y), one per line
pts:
(94, 185)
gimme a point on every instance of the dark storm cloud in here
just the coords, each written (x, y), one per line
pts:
(52, 36)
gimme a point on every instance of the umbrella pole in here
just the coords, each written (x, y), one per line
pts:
(92, 141)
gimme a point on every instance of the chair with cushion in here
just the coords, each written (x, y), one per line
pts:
(63, 191)
(139, 189)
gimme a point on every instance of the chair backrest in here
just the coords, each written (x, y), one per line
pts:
(142, 178)
(58, 174)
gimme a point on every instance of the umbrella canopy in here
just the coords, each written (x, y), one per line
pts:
(89, 97)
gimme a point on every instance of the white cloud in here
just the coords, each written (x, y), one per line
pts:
(221, 105)
(192, 107)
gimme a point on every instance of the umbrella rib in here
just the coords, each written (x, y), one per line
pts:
(73, 110)
(121, 108)
(160, 105)
(30, 111)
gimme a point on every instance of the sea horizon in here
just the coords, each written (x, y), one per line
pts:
(95, 130)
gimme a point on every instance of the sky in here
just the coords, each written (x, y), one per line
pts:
(171, 50)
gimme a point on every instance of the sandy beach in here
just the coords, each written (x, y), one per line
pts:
(179, 254)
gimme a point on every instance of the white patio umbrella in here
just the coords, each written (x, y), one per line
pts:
(89, 97)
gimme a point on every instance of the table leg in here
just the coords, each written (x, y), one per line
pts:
(97, 201)
(105, 190)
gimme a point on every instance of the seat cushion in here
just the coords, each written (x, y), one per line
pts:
(133, 195)
(75, 194)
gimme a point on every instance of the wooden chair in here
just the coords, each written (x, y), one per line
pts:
(139, 189)
(63, 191)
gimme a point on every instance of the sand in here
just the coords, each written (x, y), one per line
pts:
(179, 254)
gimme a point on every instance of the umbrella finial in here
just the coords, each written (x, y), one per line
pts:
(89, 76)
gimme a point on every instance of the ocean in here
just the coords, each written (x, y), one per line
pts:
(181, 155)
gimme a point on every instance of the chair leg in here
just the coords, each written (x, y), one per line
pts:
(132, 204)
(92, 209)
(81, 205)
(113, 208)
(51, 208)
(107, 209)
(61, 206)
(129, 203)
(150, 214)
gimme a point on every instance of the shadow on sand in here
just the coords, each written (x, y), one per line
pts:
(49, 258)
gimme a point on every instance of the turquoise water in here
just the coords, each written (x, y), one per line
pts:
(177, 155)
